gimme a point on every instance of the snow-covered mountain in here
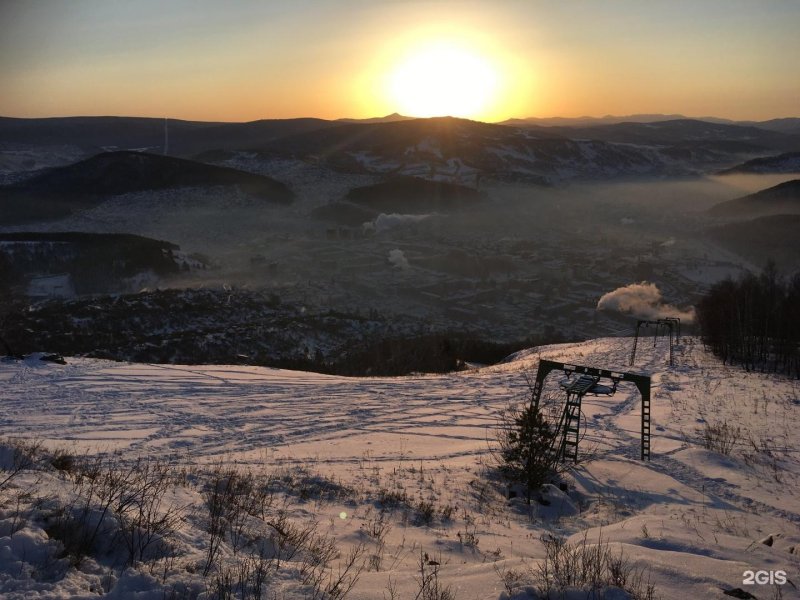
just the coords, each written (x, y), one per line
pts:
(455, 149)
(463, 151)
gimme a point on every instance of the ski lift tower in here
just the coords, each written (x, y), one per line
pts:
(580, 381)
(668, 324)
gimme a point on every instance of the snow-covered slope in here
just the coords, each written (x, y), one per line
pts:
(402, 466)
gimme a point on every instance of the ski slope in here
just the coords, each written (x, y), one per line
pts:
(694, 518)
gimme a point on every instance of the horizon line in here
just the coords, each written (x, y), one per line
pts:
(671, 116)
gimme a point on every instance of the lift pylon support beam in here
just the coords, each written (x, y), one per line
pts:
(642, 383)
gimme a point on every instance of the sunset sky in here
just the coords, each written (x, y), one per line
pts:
(246, 60)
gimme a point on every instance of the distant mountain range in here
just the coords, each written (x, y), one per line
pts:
(785, 125)
(162, 136)
(781, 199)
(60, 191)
(460, 151)
(387, 119)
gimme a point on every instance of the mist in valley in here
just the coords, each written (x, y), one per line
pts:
(525, 260)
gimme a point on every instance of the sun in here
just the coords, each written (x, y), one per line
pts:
(443, 78)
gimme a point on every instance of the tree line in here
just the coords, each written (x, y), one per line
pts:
(754, 321)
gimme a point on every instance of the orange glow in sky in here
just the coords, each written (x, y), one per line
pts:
(487, 60)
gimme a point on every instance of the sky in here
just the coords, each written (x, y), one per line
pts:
(243, 60)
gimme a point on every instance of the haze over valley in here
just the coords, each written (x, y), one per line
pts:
(501, 232)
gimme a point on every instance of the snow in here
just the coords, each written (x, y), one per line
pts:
(692, 517)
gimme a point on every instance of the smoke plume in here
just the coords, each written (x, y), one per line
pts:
(385, 221)
(644, 301)
(398, 259)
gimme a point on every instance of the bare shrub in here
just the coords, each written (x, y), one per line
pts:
(305, 485)
(62, 460)
(513, 580)
(340, 583)
(145, 523)
(469, 537)
(720, 436)
(245, 579)
(97, 487)
(760, 451)
(315, 568)
(111, 500)
(17, 456)
(429, 585)
(392, 498)
(288, 537)
(234, 499)
(590, 567)
(378, 527)
(425, 511)
(218, 500)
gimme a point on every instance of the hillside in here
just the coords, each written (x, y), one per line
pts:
(413, 195)
(191, 326)
(61, 191)
(92, 262)
(400, 469)
(783, 198)
(788, 162)
(462, 151)
(398, 196)
(775, 237)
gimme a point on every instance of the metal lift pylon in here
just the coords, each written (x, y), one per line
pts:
(671, 324)
(588, 382)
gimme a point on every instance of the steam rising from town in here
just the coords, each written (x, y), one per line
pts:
(643, 300)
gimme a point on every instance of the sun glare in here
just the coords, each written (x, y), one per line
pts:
(443, 78)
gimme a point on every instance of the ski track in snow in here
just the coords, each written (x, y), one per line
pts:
(254, 415)
(209, 412)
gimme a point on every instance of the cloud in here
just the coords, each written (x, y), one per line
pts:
(398, 259)
(644, 301)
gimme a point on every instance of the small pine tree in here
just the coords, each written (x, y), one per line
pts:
(526, 437)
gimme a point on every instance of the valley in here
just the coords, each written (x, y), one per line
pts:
(519, 259)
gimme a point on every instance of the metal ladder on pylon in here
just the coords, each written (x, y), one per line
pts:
(571, 417)
(646, 428)
(572, 427)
